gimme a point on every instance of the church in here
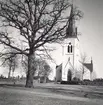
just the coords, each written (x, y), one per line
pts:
(70, 53)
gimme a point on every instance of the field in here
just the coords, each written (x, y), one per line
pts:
(50, 94)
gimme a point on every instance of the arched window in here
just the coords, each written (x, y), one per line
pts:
(70, 48)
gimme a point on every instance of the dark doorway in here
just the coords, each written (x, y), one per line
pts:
(69, 75)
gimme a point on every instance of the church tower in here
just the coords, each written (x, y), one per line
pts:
(70, 49)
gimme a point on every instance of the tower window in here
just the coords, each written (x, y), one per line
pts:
(70, 48)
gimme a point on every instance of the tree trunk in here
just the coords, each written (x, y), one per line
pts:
(45, 79)
(31, 70)
(82, 73)
(9, 72)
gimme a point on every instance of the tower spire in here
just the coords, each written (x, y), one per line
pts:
(72, 2)
(71, 30)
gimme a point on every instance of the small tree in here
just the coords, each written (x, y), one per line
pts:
(42, 68)
(83, 60)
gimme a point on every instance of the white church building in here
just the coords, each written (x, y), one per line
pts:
(70, 52)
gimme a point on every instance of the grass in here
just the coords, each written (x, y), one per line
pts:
(25, 97)
(49, 94)
(19, 95)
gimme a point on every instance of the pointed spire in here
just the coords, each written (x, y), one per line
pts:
(71, 30)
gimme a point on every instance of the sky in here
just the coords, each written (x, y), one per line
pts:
(91, 29)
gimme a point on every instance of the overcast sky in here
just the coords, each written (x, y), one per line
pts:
(91, 28)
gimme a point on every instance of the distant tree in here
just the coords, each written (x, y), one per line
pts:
(78, 74)
(1, 76)
(83, 60)
(38, 22)
(9, 60)
(94, 75)
(42, 68)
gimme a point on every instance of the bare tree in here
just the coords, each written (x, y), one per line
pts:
(42, 68)
(10, 60)
(38, 22)
(83, 60)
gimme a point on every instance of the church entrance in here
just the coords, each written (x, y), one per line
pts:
(69, 75)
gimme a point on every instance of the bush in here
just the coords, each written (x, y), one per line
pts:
(98, 80)
(70, 82)
(76, 79)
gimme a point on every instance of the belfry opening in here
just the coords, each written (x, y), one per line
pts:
(70, 48)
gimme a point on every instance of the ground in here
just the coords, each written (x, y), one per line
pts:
(51, 94)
